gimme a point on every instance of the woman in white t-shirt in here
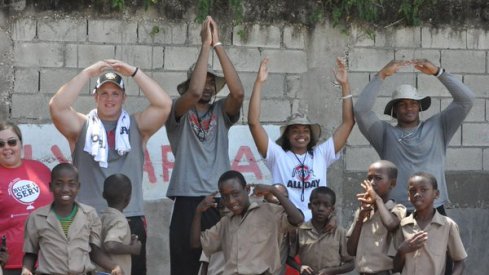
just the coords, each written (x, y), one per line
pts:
(296, 159)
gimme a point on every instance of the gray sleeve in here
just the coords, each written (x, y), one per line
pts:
(368, 122)
(463, 100)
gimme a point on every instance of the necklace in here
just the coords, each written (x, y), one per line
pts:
(200, 131)
(303, 173)
(408, 133)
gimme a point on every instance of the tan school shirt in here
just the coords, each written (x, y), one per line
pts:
(321, 250)
(375, 240)
(58, 253)
(251, 244)
(443, 236)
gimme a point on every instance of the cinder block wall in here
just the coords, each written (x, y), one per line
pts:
(41, 52)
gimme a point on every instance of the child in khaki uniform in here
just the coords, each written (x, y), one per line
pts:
(65, 235)
(249, 235)
(322, 252)
(371, 231)
(426, 236)
(117, 240)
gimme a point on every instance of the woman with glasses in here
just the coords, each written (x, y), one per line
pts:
(24, 186)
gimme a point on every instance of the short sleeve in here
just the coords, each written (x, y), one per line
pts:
(399, 210)
(211, 238)
(327, 151)
(95, 228)
(455, 246)
(115, 231)
(273, 152)
(31, 236)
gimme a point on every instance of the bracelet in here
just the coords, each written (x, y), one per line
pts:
(439, 72)
(346, 96)
(216, 44)
(135, 72)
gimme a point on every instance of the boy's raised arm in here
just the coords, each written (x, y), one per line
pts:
(205, 204)
(295, 216)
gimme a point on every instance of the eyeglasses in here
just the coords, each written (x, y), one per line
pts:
(10, 142)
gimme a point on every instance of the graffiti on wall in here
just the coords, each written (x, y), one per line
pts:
(46, 144)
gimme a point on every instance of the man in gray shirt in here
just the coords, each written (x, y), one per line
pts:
(413, 145)
(198, 133)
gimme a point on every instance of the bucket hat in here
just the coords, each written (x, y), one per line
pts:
(220, 81)
(406, 92)
(299, 119)
(109, 77)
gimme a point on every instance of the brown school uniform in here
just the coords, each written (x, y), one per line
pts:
(318, 250)
(250, 243)
(58, 254)
(443, 235)
(115, 228)
(375, 240)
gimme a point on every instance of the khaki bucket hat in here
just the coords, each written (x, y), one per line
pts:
(299, 119)
(406, 92)
(220, 81)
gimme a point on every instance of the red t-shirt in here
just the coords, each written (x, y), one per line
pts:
(22, 190)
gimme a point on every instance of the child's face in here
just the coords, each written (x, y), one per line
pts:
(65, 187)
(234, 196)
(421, 192)
(321, 207)
(378, 176)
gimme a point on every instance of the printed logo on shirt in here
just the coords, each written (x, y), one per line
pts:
(303, 177)
(24, 191)
(203, 126)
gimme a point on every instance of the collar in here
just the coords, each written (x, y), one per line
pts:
(44, 211)
(437, 218)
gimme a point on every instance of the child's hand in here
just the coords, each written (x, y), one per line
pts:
(135, 245)
(370, 196)
(117, 271)
(306, 270)
(365, 211)
(207, 203)
(263, 70)
(26, 271)
(260, 190)
(340, 73)
(417, 241)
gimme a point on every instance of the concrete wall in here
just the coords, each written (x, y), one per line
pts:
(41, 52)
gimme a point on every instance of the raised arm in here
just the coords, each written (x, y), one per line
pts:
(155, 115)
(343, 131)
(257, 131)
(294, 215)
(463, 98)
(234, 100)
(199, 74)
(66, 119)
(205, 204)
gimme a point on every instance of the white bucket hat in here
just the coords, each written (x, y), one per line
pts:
(299, 119)
(406, 92)
(220, 81)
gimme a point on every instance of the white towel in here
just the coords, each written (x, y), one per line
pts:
(96, 137)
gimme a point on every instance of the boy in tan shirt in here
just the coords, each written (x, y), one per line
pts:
(426, 236)
(371, 231)
(249, 235)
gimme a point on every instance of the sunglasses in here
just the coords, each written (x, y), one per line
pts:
(10, 142)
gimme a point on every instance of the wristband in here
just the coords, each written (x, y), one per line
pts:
(346, 96)
(216, 44)
(135, 72)
(439, 72)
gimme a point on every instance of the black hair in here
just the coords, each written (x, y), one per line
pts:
(286, 143)
(63, 166)
(5, 125)
(117, 188)
(323, 190)
(232, 174)
(427, 176)
(389, 167)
